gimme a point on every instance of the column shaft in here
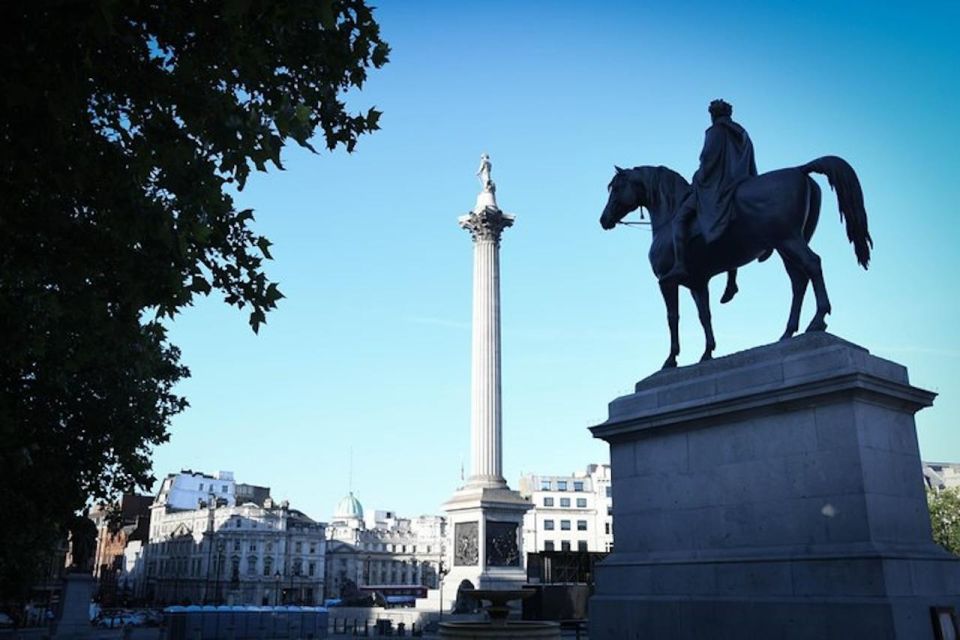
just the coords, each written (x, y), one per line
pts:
(485, 427)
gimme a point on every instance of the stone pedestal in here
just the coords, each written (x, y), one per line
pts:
(776, 492)
(486, 525)
(74, 619)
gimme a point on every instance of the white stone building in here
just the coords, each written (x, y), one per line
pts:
(214, 541)
(570, 512)
(382, 550)
(941, 475)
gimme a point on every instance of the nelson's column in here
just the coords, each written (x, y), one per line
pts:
(485, 516)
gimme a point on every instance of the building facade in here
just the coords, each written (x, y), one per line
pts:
(215, 541)
(383, 550)
(941, 475)
(122, 530)
(570, 512)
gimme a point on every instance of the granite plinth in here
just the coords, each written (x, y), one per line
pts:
(774, 491)
(78, 590)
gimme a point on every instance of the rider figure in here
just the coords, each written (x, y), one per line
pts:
(725, 162)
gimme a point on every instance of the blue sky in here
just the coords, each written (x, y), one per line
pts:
(370, 351)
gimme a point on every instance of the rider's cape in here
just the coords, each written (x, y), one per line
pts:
(726, 161)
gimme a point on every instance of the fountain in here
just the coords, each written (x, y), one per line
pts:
(499, 627)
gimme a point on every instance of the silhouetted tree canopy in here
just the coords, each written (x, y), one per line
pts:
(124, 126)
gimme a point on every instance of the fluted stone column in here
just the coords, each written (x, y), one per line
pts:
(484, 516)
(486, 226)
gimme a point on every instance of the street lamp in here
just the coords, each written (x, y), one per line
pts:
(441, 573)
(221, 545)
(276, 598)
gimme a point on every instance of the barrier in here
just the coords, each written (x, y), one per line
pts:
(245, 623)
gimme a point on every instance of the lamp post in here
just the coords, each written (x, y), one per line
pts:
(441, 573)
(221, 543)
(276, 598)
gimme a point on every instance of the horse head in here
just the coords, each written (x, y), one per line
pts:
(626, 195)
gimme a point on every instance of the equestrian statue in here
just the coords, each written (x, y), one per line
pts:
(730, 216)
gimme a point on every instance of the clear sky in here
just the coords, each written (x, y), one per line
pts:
(370, 351)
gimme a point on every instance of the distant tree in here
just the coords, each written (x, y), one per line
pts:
(945, 518)
(124, 126)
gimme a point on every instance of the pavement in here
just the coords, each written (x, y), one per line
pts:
(153, 633)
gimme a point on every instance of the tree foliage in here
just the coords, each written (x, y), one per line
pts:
(945, 518)
(124, 128)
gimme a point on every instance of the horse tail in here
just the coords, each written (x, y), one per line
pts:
(843, 179)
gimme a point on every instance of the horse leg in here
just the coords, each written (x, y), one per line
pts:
(796, 250)
(731, 289)
(701, 296)
(670, 297)
(798, 281)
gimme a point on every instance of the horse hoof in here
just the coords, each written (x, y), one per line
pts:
(706, 356)
(669, 364)
(728, 294)
(786, 336)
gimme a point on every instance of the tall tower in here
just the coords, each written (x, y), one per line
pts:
(485, 516)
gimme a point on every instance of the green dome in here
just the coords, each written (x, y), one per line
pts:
(349, 507)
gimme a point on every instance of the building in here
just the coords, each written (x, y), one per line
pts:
(122, 530)
(570, 513)
(382, 550)
(212, 540)
(941, 475)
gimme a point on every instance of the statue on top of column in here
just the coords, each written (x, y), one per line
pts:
(486, 182)
(488, 192)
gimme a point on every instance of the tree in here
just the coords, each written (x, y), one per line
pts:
(945, 518)
(124, 126)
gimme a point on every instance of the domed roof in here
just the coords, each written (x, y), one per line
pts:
(349, 507)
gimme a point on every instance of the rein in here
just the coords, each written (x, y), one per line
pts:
(639, 223)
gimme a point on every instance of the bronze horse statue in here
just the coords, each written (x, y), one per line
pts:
(775, 211)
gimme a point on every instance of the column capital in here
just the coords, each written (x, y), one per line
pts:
(486, 224)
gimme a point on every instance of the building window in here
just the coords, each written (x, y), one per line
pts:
(609, 490)
(581, 503)
(298, 547)
(544, 485)
(253, 546)
(609, 511)
(548, 525)
(564, 502)
(252, 565)
(312, 568)
(561, 485)
(238, 522)
(269, 547)
(606, 528)
(548, 545)
(313, 548)
(267, 566)
(236, 545)
(224, 489)
(581, 545)
(548, 502)
(581, 525)
(413, 549)
(201, 486)
(297, 567)
(578, 485)
(564, 525)
(565, 545)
